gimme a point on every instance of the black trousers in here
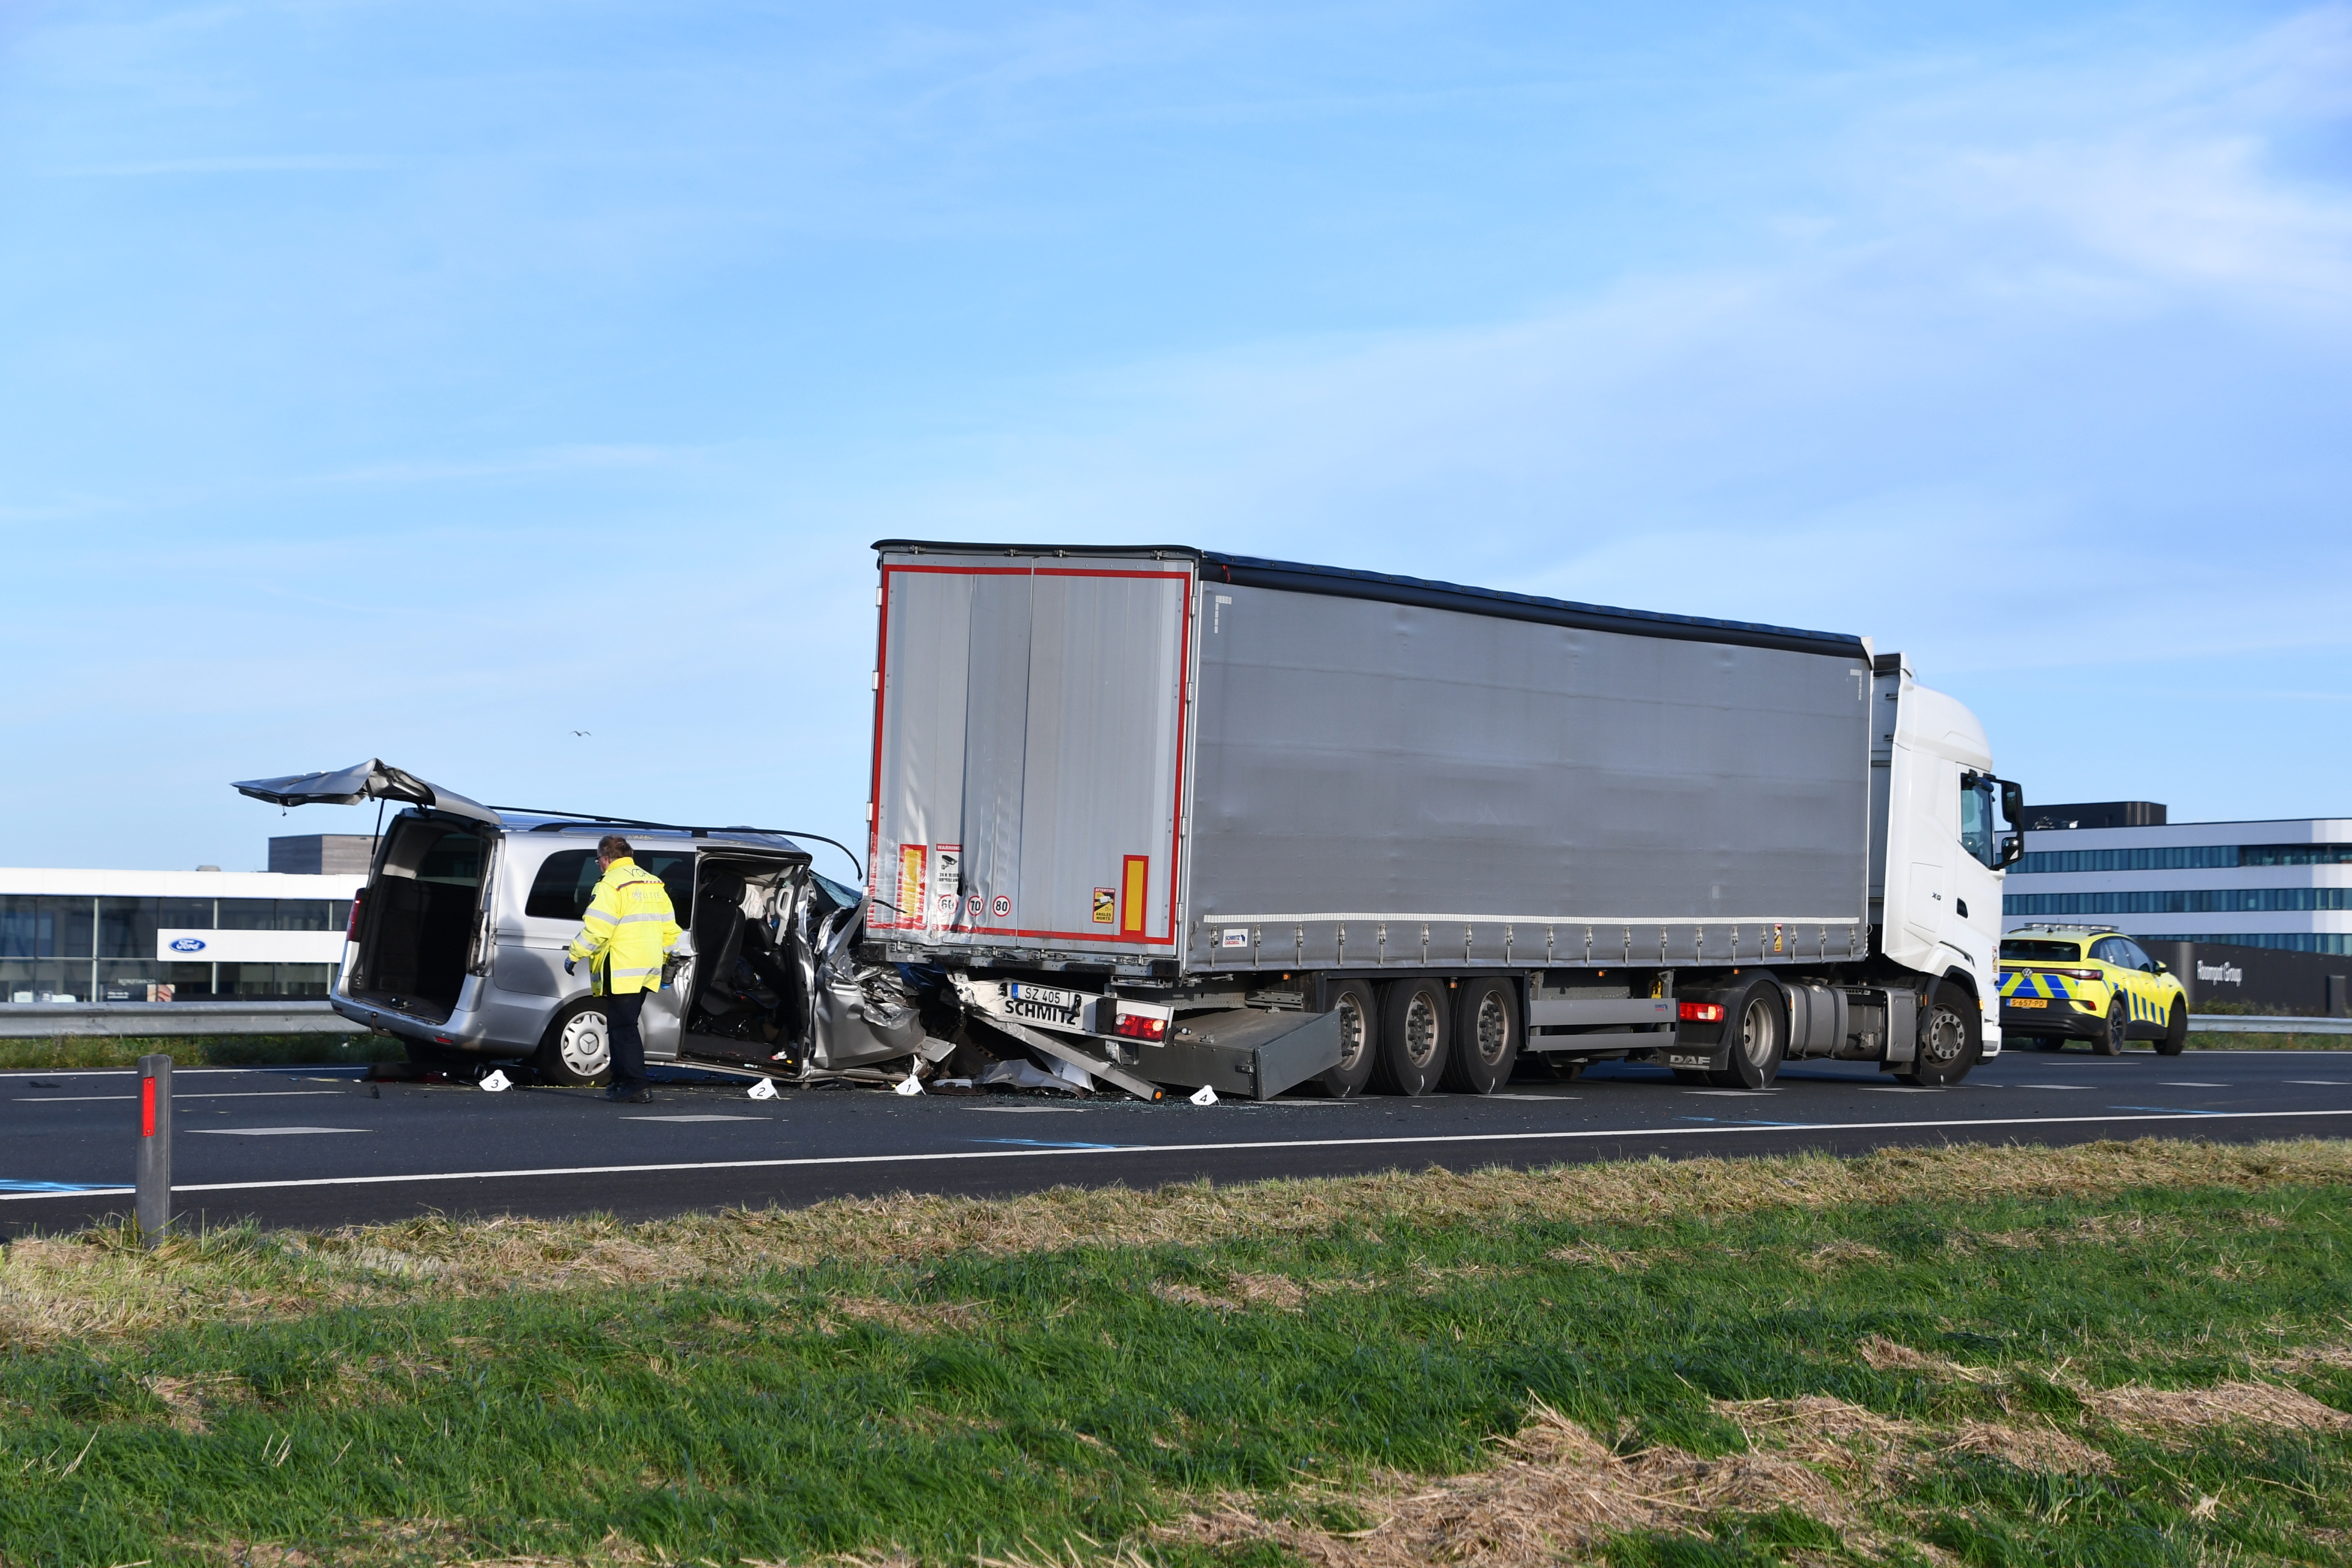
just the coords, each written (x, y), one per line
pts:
(628, 1045)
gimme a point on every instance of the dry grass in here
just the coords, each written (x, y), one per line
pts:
(96, 1285)
(1882, 1355)
(915, 1318)
(1554, 1489)
(2042, 1447)
(2174, 1410)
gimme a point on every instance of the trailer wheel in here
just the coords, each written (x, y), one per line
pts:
(1358, 1039)
(2175, 1038)
(1758, 1029)
(1950, 1040)
(1408, 1053)
(2118, 1031)
(1485, 1037)
(576, 1050)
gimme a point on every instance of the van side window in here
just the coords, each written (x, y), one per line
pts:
(567, 880)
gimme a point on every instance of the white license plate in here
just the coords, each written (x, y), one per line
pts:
(1050, 1003)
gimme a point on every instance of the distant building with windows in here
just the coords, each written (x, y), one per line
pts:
(181, 936)
(2283, 884)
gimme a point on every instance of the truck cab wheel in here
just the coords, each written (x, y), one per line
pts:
(1756, 1027)
(1486, 1036)
(576, 1050)
(1951, 1039)
(1408, 1052)
(2111, 1042)
(2175, 1038)
(1358, 1038)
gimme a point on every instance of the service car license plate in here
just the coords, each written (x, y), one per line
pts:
(2029, 1001)
(1048, 1003)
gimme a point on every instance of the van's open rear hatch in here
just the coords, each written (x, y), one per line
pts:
(420, 917)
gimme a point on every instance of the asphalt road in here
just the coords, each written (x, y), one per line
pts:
(319, 1146)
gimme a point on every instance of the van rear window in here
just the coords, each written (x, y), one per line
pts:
(2061, 952)
(567, 880)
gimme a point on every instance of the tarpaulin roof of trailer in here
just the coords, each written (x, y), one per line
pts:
(374, 779)
(1251, 571)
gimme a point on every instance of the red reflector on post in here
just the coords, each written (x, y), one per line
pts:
(1700, 1012)
(146, 1107)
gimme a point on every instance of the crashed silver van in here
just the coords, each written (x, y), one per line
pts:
(456, 944)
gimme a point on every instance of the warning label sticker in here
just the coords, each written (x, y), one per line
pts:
(1106, 906)
(911, 885)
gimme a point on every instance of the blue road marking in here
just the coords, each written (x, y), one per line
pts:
(10, 1184)
(1045, 1144)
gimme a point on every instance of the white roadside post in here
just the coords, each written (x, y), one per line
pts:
(154, 1177)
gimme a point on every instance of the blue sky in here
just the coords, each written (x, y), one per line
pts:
(372, 373)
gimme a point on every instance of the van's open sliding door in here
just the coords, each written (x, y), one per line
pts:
(1029, 752)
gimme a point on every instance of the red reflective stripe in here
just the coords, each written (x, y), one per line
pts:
(146, 1107)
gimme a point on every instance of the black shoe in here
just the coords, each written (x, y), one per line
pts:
(642, 1097)
(619, 1093)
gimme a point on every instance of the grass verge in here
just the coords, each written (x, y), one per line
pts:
(65, 1052)
(2109, 1354)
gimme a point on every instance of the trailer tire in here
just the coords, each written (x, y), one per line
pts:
(1409, 1056)
(1486, 1036)
(575, 1051)
(1951, 1040)
(2175, 1039)
(1360, 1038)
(1755, 1027)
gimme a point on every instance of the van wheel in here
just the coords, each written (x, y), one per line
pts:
(1758, 1032)
(1950, 1040)
(1358, 1038)
(1485, 1037)
(1408, 1052)
(576, 1050)
(2118, 1031)
(2175, 1039)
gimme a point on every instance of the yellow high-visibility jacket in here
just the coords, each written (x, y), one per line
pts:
(629, 927)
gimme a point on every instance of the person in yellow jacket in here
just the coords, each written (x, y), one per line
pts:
(629, 928)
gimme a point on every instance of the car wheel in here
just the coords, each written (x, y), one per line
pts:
(1408, 1050)
(1756, 1028)
(576, 1050)
(1358, 1034)
(1950, 1040)
(2118, 1031)
(1485, 1037)
(2175, 1039)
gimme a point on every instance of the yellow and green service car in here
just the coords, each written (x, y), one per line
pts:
(2092, 983)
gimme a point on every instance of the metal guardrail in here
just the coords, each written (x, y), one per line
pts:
(160, 1020)
(2249, 1023)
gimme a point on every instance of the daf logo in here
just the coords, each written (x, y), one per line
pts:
(187, 945)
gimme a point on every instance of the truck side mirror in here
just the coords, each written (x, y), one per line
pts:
(2013, 849)
(2012, 802)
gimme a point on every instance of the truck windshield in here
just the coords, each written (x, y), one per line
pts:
(2060, 952)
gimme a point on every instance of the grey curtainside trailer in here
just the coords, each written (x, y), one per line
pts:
(1432, 828)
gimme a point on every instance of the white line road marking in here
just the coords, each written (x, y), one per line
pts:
(217, 1094)
(2053, 1086)
(1754, 1093)
(2177, 1083)
(698, 1118)
(2322, 1082)
(266, 1131)
(936, 1156)
(1898, 1089)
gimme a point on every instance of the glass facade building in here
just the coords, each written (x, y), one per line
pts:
(2278, 885)
(59, 943)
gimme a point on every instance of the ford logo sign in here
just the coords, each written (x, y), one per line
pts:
(187, 945)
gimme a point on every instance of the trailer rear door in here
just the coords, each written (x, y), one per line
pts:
(1029, 751)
